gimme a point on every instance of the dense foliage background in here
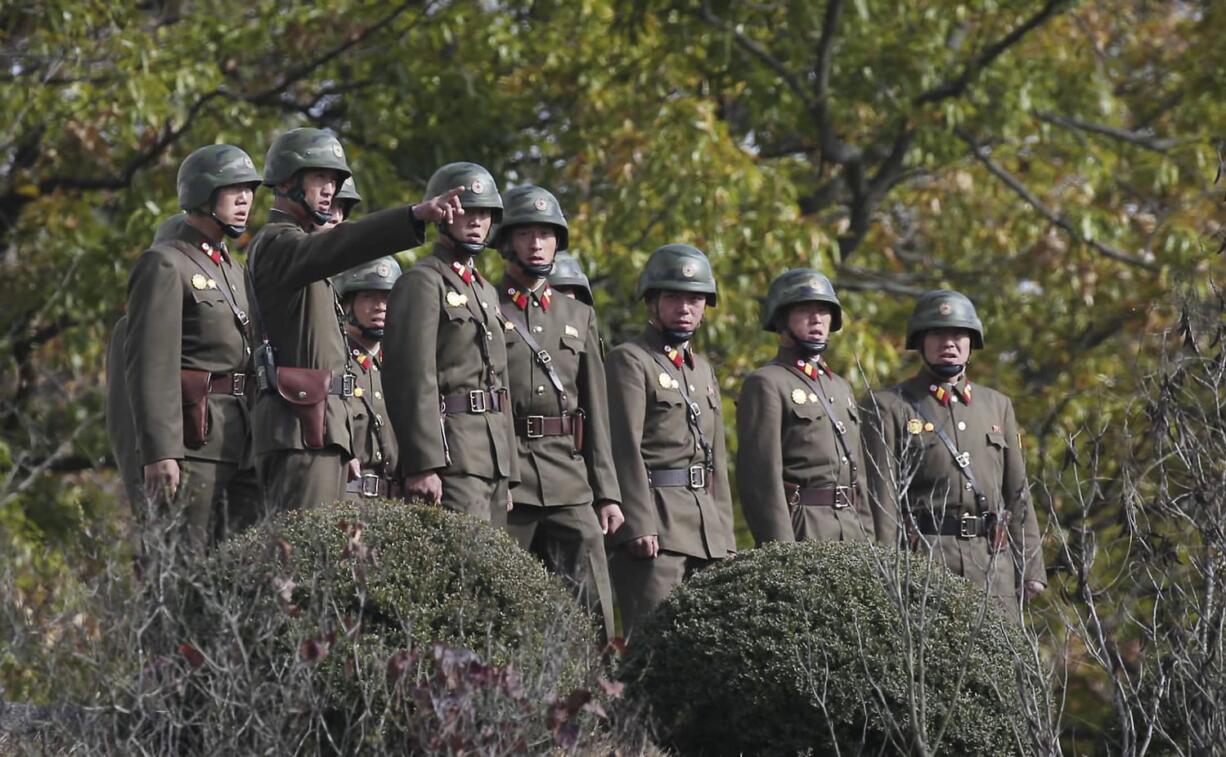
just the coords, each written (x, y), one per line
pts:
(1057, 160)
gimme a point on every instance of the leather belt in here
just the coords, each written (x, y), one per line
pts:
(693, 477)
(539, 426)
(228, 383)
(343, 384)
(476, 402)
(837, 497)
(373, 485)
(963, 526)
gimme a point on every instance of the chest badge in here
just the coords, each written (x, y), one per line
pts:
(799, 397)
(455, 299)
(199, 281)
(915, 426)
(211, 283)
(571, 330)
(666, 382)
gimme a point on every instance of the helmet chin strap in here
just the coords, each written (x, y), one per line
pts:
(945, 370)
(229, 229)
(539, 271)
(470, 248)
(298, 195)
(809, 347)
(367, 331)
(674, 336)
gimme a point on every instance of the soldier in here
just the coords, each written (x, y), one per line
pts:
(668, 439)
(446, 362)
(567, 499)
(568, 278)
(304, 444)
(187, 352)
(945, 466)
(342, 204)
(363, 291)
(798, 454)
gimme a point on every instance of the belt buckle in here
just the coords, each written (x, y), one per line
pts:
(544, 357)
(963, 459)
(537, 422)
(968, 526)
(698, 476)
(348, 382)
(476, 401)
(238, 386)
(842, 497)
(370, 485)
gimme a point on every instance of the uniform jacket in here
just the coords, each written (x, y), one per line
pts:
(550, 474)
(374, 444)
(649, 428)
(899, 448)
(178, 317)
(436, 323)
(786, 435)
(290, 269)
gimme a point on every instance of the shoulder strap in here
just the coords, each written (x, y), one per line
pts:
(840, 429)
(961, 459)
(543, 358)
(692, 410)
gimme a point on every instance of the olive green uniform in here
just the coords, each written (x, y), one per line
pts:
(795, 479)
(182, 296)
(120, 426)
(444, 343)
(900, 446)
(554, 515)
(374, 444)
(651, 434)
(290, 269)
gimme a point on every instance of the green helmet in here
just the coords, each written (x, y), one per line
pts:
(568, 273)
(531, 204)
(943, 309)
(677, 268)
(800, 285)
(480, 189)
(379, 275)
(171, 228)
(210, 168)
(301, 149)
(348, 193)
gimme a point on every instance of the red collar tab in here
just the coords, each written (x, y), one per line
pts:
(813, 368)
(545, 298)
(215, 253)
(674, 355)
(945, 396)
(466, 272)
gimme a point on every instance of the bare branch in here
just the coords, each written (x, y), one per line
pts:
(1138, 139)
(761, 53)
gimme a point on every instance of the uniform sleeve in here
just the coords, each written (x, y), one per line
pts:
(593, 398)
(153, 356)
(293, 258)
(1024, 533)
(723, 490)
(759, 462)
(627, 414)
(879, 441)
(409, 365)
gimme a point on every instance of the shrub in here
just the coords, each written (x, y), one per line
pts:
(801, 647)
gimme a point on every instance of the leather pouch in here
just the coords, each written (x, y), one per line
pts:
(306, 390)
(194, 387)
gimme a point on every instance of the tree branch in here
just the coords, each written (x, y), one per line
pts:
(1135, 138)
(959, 84)
(761, 53)
(1012, 182)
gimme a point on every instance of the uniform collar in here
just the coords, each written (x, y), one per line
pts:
(812, 366)
(280, 216)
(522, 297)
(363, 356)
(944, 393)
(464, 268)
(675, 355)
(196, 238)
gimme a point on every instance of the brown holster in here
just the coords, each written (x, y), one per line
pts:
(194, 386)
(306, 390)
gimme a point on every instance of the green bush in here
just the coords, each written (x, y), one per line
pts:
(800, 647)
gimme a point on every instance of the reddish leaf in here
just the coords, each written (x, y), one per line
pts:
(612, 688)
(193, 655)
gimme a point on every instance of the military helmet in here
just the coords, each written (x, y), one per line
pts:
(943, 309)
(302, 149)
(348, 193)
(677, 268)
(379, 274)
(532, 204)
(210, 168)
(800, 285)
(480, 189)
(171, 228)
(568, 273)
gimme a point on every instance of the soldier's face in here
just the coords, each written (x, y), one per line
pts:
(535, 243)
(680, 311)
(947, 346)
(319, 186)
(569, 291)
(232, 204)
(810, 320)
(472, 227)
(370, 309)
(338, 217)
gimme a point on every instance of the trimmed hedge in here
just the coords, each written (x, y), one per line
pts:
(798, 647)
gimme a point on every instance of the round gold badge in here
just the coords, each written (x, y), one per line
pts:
(211, 283)
(799, 396)
(666, 382)
(357, 391)
(929, 427)
(914, 426)
(199, 281)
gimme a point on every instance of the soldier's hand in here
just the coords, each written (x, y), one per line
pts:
(611, 518)
(162, 478)
(1034, 588)
(427, 485)
(355, 469)
(644, 546)
(442, 209)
